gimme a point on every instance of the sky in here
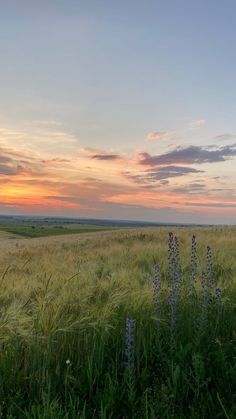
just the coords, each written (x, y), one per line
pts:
(118, 109)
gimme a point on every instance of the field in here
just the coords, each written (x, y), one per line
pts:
(41, 229)
(131, 323)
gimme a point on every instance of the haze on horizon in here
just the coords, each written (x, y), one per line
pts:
(118, 110)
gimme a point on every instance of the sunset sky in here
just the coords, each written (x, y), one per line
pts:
(118, 109)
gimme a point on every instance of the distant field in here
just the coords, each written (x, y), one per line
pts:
(4, 234)
(89, 329)
(39, 230)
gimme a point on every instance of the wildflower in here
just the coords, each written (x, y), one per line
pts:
(176, 281)
(218, 293)
(156, 281)
(68, 362)
(129, 342)
(203, 281)
(193, 264)
(173, 257)
(130, 360)
(177, 255)
(173, 317)
(170, 256)
(174, 294)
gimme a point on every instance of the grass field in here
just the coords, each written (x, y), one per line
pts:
(90, 329)
(28, 229)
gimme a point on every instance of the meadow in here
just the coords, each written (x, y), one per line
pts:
(132, 323)
(41, 229)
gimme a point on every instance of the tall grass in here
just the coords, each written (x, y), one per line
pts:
(113, 325)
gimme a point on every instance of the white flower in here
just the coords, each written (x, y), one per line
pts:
(67, 362)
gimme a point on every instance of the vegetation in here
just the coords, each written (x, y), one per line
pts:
(121, 324)
(43, 230)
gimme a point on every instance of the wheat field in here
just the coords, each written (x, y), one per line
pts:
(68, 349)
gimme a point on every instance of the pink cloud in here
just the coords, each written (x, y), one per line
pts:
(157, 135)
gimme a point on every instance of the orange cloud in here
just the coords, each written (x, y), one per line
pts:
(158, 135)
(42, 179)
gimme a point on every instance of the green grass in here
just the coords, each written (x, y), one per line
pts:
(63, 307)
(27, 230)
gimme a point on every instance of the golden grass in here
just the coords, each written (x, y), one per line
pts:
(55, 272)
(54, 290)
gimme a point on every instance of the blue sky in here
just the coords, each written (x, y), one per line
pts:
(104, 75)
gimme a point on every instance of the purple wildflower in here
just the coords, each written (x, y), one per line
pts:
(130, 342)
(173, 315)
(193, 264)
(173, 258)
(156, 281)
(218, 292)
(209, 268)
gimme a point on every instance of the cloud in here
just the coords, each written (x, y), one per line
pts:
(55, 160)
(197, 185)
(160, 174)
(46, 122)
(91, 150)
(212, 204)
(77, 202)
(47, 171)
(157, 135)
(106, 157)
(9, 134)
(4, 158)
(44, 140)
(102, 155)
(189, 155)
(191, 188)
(197, 123)
(225, 137)
(6, 170)
(164, 182)
(9, 166)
